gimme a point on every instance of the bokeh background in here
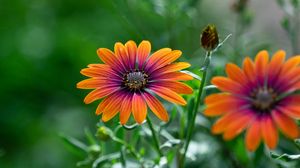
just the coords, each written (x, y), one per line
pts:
(45, 43)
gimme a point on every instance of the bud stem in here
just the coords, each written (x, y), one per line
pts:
(195, 110)
(154, 136)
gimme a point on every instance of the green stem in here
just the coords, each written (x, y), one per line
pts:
(129, 147)
(155, 138)
(195, 110)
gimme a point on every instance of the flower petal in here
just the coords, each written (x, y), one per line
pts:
(286, 124)
(98, 82)
(249, 70)
(227, 85)
(126, 109)
(177, 87)
(222, 124)
(99, 70)
(172, 67)
(223, 106)
(292, 111)
(156, 107)
(109, 58)
(143, 52)
(164, 60)
(213, 98)
(235, 127)
(113, 107)
(253, 135)
(236, 74)
(171, 76)
(261, 66)
(139, 108)
(155, 57)
(275, 66)
(132, 51)
(122, 55)
(100, 93)
(168, 95)
(290, 64)
(269, 132)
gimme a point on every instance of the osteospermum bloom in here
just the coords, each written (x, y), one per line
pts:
(260, 98)
(129, 78)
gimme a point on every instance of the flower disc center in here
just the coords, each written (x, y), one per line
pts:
(135, 80)
(264, 99)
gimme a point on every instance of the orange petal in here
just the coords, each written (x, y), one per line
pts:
(226, 84)
(164, 60)
(174, 76)
(102, 105)
(222, 106)
(168, 95)
(156, 56)
(139, 108)
(286, 124)
(131, 50)
(93, 83)
(109, 58)
(222, 123)
(249, 70)
(261, 62)
(143, 52)
(113, 107)
(125, 109)
(99, 93)
(290, 64)
(122, 55)
(253, 135)
(177, 87)
(292, 111)
(98, 70)
(213, 98)
(156, 107)
(236, 74)
(237, 126)
(269, 132)
(276, 63)
(172, 67)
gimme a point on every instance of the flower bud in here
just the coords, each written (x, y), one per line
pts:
(94, 150)
(104, 133)
(209, 38)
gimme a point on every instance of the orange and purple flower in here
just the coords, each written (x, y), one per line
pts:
(260, 97)
(129, 78)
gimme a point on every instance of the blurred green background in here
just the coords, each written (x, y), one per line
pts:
(45, 43)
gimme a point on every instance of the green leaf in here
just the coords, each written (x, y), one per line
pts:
(89, 136)
(133, 126)
(285, 157)
(170, 143)
(74, 142)
(192, 74)
(105, 158)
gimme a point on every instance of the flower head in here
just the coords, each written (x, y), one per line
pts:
(209, 37)
(129, 78)
(260, 98)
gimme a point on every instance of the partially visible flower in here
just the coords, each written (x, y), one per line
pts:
(130, 76)
(209, 38)
(260, 97)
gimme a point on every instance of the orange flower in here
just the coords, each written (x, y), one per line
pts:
(129, 77)
(260, 97)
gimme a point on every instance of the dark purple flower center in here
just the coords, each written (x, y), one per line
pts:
(135, 80)
(264, 99)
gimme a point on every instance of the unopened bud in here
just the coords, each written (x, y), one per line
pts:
(104, 133)
(209, 38)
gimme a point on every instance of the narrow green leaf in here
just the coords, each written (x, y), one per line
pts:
(74, 142)
(192, 74)
(105, 158)
(285, 157)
